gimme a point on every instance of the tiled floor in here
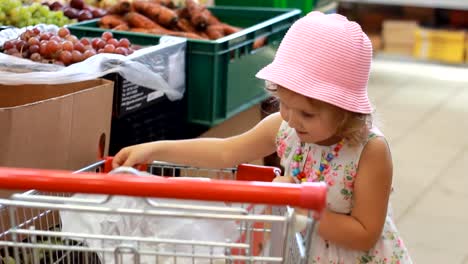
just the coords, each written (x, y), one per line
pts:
(423, 110)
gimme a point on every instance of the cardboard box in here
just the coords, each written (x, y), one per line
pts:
(52, 127)
(398, 37)
(399, 32)
(55, 126)
(399, 49)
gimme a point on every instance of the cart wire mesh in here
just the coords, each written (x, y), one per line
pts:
(231, 215)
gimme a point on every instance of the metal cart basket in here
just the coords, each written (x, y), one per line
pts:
(33, 230)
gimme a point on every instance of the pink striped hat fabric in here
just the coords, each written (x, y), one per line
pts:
(325, 57)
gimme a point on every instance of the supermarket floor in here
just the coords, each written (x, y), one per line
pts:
(424, 110)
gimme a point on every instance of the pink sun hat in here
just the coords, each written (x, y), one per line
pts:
(325, 57)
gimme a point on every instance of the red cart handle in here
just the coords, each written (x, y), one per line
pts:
(306, 195)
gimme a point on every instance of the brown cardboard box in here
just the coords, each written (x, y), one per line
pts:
(399, 49)
(399, 31)
(52, 127)
(398, 37)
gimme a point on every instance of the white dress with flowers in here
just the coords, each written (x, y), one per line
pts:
(340, 176)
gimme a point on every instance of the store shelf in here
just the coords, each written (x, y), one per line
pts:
(449, 4)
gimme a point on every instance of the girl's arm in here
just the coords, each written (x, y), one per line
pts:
(256, 143)
(372, 187)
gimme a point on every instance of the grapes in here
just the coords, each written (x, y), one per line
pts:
(89, 53)
(34, 48)
(36, 57)
(121, 51)
(63, 32)
(63, 48)
(113, 42)
(44, 36)
(107, 35)
(79, 47)
(72, 38)
(67, 45)
(100, 44)
(77, 56)
(8, 45)
(109, 48)
(70, 12)
(77, 9)
(43, 49)
(52, 47)
(33, 41)
(14, 13)
(84, 15)
(21, 44)
(125, 43)
(66, 57)
(85, 41)
(78, 4)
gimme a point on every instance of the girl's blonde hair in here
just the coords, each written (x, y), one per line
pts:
(354, 127)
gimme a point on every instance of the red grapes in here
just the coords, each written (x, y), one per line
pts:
(63, 48)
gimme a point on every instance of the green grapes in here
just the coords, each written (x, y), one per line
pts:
(14, 13)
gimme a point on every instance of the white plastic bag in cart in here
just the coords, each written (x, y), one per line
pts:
(145, 226)
(145, 67)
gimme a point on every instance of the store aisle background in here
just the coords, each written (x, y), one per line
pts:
(423, 110)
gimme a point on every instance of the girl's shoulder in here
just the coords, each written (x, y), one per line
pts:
(375, 132)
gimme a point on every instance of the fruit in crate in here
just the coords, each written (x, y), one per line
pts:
(63, 48)
(76, 9)
(163, 17)
(14, 13)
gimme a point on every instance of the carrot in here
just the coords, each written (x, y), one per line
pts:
(198, 17)
(228, 29)
(215, 31)
(182, 13)
(211, 19)
(137, 20)
(166, 32)
(189, 35)
(158, 13)
(112, 21)
(203, 34)
(122, 27)
(184, 25)
(259, 43)
(120, 8)
(166, 3)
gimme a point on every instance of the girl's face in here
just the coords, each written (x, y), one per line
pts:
(314, 122)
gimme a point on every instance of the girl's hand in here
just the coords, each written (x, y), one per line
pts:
(134, 155)
(284, 179)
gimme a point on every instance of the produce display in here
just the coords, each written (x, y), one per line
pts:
(163, 18)
(14, 13)
(63, 48)
(77, 9)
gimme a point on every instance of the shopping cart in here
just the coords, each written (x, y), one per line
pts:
(266, 230)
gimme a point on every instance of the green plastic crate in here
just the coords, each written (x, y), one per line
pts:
(305, 5)
(221, 73)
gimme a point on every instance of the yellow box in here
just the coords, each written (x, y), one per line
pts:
(466, 48)
(441, 45)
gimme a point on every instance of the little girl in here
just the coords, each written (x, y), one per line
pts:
(323, 132)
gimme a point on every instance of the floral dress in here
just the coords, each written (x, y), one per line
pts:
(339, 176)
